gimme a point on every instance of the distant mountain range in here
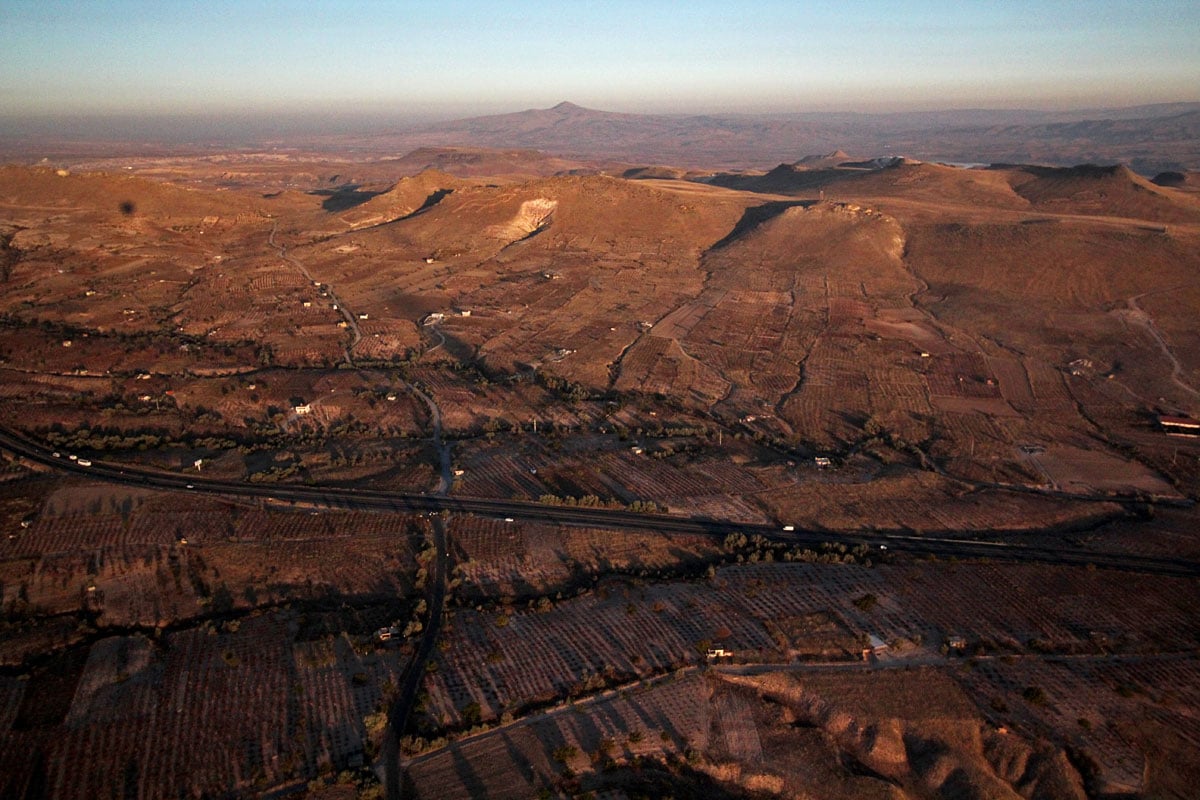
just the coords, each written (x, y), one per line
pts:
(1148, 138)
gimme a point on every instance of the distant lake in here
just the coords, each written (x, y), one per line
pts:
(964, 164)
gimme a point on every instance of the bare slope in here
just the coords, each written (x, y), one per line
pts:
(43, 189)
(881, 178)
(917, 732)
(407, 196)
(1071, 289)
(557, 271)
(1101, 191)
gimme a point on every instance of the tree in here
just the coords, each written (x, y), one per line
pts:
(565, 753)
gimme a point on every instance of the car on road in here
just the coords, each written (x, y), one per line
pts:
(789, 527)
(508, 519)
(57, 454)
(83, 462)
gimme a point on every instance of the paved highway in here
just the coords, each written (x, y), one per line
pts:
(366, 499)
(398, 715)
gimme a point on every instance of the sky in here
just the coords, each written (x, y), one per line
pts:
(448, 58)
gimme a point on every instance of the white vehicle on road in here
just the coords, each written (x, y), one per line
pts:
(83, 462)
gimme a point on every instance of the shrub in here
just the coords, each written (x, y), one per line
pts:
(866, 602)
(565, 753)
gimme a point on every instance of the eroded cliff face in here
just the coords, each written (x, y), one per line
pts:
(903, 735)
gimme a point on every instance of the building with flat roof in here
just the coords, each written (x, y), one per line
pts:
(1179, 426)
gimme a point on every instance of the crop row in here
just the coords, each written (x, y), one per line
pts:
(525, 656)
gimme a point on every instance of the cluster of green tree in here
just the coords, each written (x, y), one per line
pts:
(361, 783)
(276, 472)
(108, 439)
(9, 256)
(752, 549)
(564, 389)
(163, 339)
(878, 435)
(592, 501)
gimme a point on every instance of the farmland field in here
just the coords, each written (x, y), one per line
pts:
(315, 462)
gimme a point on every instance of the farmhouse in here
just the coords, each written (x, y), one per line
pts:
(1179, 426)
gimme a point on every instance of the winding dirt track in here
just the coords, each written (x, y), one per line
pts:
(1139, 317)
(351, 320)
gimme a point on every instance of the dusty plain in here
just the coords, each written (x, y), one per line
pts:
(843, 345)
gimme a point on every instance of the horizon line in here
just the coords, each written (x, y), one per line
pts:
(399, 110)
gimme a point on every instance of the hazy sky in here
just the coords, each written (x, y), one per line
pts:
(456, 57)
